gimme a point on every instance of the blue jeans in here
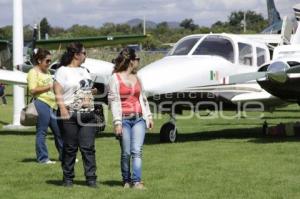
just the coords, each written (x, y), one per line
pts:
(131, 147)
(46, 118)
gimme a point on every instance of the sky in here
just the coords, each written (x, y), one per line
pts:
(65, 13)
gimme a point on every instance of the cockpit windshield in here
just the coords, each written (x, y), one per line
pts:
(216, 46)
(185, 46)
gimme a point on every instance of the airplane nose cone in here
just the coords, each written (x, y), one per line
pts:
(276, 72)
(279, 77)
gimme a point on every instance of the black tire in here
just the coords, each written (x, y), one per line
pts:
(167, 133)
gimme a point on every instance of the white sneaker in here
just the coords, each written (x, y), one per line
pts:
(49, 162)
(126, 185)
(139, 185)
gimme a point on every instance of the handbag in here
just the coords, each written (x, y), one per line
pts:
(86, 117)
(29, 115)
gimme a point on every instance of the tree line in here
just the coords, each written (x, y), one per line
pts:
(159, 35)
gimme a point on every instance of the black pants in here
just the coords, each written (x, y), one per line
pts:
(76, 135)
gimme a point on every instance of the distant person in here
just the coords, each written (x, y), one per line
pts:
(2, 94)
(131, 115)
(74, 95)
(40, 85)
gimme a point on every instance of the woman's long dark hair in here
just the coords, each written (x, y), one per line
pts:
(72, 50)
(123, 60)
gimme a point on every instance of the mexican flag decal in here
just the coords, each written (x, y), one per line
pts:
(214, 75)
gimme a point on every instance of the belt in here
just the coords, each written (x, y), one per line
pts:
(132, 115)
(80, 111)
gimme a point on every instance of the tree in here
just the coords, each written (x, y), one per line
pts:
(6, 32)
(188, 24)
(44, 27)
(82, 31)
(162, 28)
(255, 22)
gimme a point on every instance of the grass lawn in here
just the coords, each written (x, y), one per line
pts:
(212, 159)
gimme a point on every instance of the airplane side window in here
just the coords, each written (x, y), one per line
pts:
(216, 46)
(185, 46)
(261, 56)
(245, 54)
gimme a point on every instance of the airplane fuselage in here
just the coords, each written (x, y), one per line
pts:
(198, 62)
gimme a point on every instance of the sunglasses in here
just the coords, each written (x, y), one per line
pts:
(137, 59)
(84, 53)
(48, 61)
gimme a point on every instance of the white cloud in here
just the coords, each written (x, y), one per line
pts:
(96, 12)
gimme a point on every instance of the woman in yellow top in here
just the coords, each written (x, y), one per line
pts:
(40, 85)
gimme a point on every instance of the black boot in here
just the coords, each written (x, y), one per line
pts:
(92, 183)
(68, 183)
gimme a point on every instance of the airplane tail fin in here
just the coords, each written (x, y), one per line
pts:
(273, 14)
(286, 31)
(296, 39)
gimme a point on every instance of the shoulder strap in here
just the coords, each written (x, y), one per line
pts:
(118, 76)
(85, 69)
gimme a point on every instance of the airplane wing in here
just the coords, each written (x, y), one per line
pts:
(3, 44)
(264, 38)
(90, 42)
(287, 26)
(13, 77)
(244, 93)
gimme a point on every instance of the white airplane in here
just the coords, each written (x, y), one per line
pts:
(197, 69)
(220, 68)
(197, 65)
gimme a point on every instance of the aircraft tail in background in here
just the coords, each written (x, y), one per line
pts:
(273, 14)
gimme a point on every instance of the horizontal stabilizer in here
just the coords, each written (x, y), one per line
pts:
(258, 96)
(13, 77)
(91, 42)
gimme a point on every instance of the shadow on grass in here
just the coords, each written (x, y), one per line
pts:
(281, 117)
(112, 183)
(253, 135)
(288, 110)
(14, 132)
(3, 123)
(29, 160)
(60, 182)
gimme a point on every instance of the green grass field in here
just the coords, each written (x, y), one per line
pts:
(212, 159)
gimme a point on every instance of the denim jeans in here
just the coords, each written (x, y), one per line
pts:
(77, 135)
(46, 118)
(131, 143)
(2, 95)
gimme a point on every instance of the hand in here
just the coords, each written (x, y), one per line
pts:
(94, 91)
(118, 130)
(64, 113)
(50, 87)
(151, 124)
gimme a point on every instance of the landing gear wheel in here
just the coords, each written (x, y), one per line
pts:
(168, 133)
